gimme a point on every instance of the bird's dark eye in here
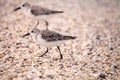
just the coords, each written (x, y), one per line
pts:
(32, 31)
(23, 5)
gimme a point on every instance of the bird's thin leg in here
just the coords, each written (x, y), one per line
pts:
(46, 23)
(61, 57)
(44, 53)
(36, 24)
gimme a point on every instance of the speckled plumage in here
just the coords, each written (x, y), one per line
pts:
(54, 36)
(51, 36)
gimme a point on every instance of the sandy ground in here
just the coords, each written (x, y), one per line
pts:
(94, 55)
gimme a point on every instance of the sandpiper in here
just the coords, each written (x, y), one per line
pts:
(36, 12)
(49, 38)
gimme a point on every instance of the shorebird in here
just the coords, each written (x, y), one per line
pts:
(36, 12)
(49, 38)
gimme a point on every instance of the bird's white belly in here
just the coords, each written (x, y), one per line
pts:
(27, 13)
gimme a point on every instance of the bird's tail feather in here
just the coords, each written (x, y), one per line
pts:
(56, 11)
(69, 37)
(72, 37)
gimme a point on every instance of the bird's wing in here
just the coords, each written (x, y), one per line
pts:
(38, 10)
(53, 36)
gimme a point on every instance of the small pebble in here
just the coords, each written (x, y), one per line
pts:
(103, 76)
(111, 48)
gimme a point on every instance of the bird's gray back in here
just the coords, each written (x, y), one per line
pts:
(38, 10)
(54, 36)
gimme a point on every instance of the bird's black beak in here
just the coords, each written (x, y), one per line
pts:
(26, 34)
(17, 8)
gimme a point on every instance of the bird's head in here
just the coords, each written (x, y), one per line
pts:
(33, 32)
(25, 5)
